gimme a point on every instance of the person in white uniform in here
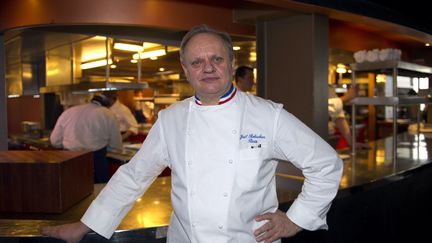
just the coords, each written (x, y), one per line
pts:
(338, 122)
(90, 126)
(223, 146)
(127, 122)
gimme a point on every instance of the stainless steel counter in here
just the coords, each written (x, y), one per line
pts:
(151, 213)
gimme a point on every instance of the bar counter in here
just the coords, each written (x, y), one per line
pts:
(148, 219)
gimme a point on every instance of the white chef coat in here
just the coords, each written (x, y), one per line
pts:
(223, 160)
(87, 127)
(126, 119)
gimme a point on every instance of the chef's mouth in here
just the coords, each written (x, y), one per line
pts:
(209, 79)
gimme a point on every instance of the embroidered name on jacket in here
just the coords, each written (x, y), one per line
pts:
(253, 140)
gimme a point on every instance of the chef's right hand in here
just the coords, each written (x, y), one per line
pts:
(71, 233)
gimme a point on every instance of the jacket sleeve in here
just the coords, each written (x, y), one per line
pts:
(129, 183)
(56, 136)
(320, 165)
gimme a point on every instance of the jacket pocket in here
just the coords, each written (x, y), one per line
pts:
(248, 167)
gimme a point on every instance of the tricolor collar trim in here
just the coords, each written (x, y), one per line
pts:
(222, 100)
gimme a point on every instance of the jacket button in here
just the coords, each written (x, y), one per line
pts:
(230, 161)
(220, 226)
(234, 131)
(225, 194)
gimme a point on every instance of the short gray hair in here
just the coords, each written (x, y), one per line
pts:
(206, 29)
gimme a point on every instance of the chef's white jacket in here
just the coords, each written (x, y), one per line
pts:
(125, 118)
(223, 160)
(87, 127)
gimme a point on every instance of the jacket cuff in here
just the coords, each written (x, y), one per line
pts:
(302, 217)
(100, 220)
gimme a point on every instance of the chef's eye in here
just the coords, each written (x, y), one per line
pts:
(196, 63)
(217, 60)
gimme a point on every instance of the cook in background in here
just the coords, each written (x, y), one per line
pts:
(144, 109)
(127, 122)
(91, 126)
(244, 78)
(338, 124)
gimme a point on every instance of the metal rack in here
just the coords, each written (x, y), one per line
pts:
(394, 68)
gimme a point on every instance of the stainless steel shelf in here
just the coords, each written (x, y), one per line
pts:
(412, 100)
(395, 68)
(391, 64)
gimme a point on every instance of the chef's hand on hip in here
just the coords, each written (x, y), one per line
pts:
(278, 225)
(71, 233)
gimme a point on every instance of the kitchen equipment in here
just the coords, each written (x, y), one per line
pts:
(31, 128)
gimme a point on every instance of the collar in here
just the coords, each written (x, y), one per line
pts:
(224, 98)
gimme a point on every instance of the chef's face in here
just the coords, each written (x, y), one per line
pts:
(207, 66)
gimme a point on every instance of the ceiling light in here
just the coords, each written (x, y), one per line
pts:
(128, 47)
(340, 68)
(98, 63)
(149, 45)
(98, 37)
(161, 69)
(149, 54)
(93, 54)
(172, 48)
(236, 48)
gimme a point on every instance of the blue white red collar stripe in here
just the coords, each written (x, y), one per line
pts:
(225, 98)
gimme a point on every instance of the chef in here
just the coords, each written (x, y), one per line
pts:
(127, 122)
(223, 146)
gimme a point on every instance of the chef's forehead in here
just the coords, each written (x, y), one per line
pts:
(203, 29)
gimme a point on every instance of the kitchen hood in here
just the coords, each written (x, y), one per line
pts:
(89, 87)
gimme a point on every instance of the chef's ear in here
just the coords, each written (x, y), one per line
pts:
(185, 70)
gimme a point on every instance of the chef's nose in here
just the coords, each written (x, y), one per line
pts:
(208, 66)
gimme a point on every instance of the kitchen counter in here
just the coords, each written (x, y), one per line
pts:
(129, 150)
(149, 218)
(30, 142)
(44, 181)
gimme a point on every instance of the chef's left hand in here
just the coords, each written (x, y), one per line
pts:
(278, 226)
